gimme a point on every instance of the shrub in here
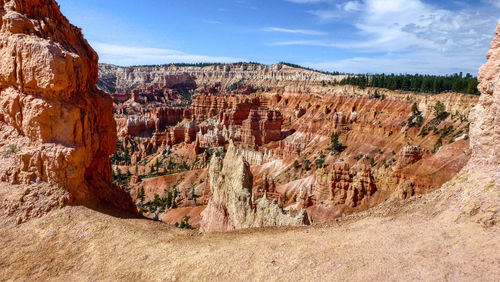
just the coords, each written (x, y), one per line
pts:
(375, 95)
(12, 149)
(296, 164)
(438, 144)
(234, 86)
(184, 223)
(320, 162)
(307, 164)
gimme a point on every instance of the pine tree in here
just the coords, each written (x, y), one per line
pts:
(439, 110)
(335, 145)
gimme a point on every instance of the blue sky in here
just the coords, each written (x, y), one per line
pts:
(356, 36)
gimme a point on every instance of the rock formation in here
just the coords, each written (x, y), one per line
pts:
(57, 129)
(230, 206)
(409, 155)
(485, 121)
(118, 80)
(261, 127)
(267, 189)
(476, 190)
(341, 186)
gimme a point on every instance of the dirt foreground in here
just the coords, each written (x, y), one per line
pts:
(420, 239)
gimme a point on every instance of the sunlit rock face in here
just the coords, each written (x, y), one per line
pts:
(56, 127)
(231, 205)
(485, 120)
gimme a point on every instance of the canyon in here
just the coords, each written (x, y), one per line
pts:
(283, 119)
(109, 171)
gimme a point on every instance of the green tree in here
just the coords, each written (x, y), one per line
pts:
(169, 199)
(335, 145)
(140, 194)
(296, 164)
(440, 110)
(320, 162)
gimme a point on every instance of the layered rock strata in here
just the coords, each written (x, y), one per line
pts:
(342, 186)
(56, 127)
(409, 155)
(116, 79)
(213, 120)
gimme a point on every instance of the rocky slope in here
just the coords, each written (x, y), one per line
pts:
(57, 129)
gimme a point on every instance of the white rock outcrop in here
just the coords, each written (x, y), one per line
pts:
(231, 207)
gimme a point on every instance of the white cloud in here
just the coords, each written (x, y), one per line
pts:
(352, 6)
(212, 22)
(295, 31)
(419, 62)
(426, 36)
(326, 15)
(126, 56)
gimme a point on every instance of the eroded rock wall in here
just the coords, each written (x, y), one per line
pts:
(56, 127)
(119, 79)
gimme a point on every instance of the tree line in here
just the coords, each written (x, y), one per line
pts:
(417, 83)
(310, 69)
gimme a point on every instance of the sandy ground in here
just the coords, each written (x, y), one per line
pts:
(410, 241)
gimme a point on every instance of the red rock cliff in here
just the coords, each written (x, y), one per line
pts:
(57, 129)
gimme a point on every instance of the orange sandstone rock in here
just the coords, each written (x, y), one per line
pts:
(59, 126)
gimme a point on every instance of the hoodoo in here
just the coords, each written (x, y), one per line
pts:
(57, 129)
(232, 206)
